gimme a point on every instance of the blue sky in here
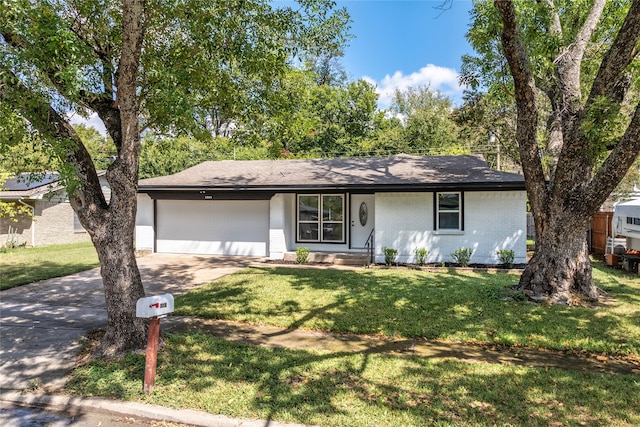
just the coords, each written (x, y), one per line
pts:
(406, 43)
(398, 44)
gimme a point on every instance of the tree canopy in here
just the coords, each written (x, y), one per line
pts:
(140, 65)
(570, 71)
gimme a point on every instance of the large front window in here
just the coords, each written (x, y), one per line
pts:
(321, 218)
(449, 211)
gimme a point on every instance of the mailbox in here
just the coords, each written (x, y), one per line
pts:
(155, 306)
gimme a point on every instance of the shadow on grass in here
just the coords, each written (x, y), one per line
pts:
(408, 304)
(353, 389)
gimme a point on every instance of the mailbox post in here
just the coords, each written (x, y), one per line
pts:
(153, 308)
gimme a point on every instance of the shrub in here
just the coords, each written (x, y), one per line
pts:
(462, 256)
(13, 241)
(302, 255)
(506, 257)
(421, 255)
(389, 255)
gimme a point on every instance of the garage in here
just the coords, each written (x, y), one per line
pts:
(213, 227)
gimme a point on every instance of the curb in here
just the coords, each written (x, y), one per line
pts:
(75, 406)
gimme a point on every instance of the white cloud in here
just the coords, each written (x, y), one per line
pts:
(93, 121)
(436, 78)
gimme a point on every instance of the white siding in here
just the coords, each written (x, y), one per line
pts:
(277, 226)
(216, 227)
(404, 221)
(144, 223)
(492, 221)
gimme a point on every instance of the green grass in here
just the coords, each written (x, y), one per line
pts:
(346, 389)
(26, 265)
(448, 306)
(339, 389)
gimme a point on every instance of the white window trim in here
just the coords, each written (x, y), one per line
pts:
(460, 229)
(320, 220)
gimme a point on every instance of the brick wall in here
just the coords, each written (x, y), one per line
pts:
(54, 224)
(492, 221)
(21, 228)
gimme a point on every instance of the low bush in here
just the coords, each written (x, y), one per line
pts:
(390, 255)
(421, 255)
(302, 255)
(462, 256)
(506, 257)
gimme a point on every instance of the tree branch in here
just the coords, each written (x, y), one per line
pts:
(616, 165)
(103, 104)
(570, 61)
(43, 117)
(618, 57)
(527, 110)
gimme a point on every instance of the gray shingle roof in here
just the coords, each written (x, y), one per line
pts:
(399, 171)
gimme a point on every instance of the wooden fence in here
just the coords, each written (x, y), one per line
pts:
(597, 236)
(600, 230)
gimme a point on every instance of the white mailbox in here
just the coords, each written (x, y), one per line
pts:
(155, 306)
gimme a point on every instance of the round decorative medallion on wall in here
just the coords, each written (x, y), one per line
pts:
(364, 214)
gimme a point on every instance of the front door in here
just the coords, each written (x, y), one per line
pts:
(362, 219)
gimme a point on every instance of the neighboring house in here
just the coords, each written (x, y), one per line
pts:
(52, 220)
(271, 207)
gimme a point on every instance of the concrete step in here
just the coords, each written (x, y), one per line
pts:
(348, 258)
(356, 259)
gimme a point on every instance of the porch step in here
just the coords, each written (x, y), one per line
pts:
(351, 258)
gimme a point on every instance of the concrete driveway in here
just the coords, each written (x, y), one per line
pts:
(41, 323)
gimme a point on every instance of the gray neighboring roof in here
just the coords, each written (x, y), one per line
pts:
(400, 172)
(27, 185)
(33, 185)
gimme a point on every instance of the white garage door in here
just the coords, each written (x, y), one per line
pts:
(220, 227)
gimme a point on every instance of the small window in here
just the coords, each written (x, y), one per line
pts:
(321, 218)
(77, 226)
(449, 210)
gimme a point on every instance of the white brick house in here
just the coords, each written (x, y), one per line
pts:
(268, 208)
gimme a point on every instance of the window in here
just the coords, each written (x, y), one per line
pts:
(77, 227)
(321, 218)
(633, 221)
(449, 211)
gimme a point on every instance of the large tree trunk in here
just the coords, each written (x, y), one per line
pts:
(560, 269)
(122, 289)
(114, 236)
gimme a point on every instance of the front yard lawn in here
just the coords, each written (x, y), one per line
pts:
(448, 306)
(27, 265)
(342, 389)
(347, 389)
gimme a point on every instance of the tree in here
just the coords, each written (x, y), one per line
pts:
(129, 62)
(579, 62)
(305, 118)
(53, 66)
(427, 119)
(100, 147)
(488, 126)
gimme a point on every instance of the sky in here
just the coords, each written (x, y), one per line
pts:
(406, 43)
(398, 44)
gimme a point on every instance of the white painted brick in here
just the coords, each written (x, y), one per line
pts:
(492, 221)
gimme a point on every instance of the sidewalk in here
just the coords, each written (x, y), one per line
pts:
(298, 339)
(40, 341)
